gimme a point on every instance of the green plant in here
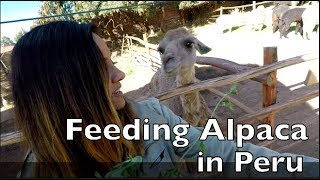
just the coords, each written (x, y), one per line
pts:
(172, 172)
(224, 101)
(129, 72)
(128, 168)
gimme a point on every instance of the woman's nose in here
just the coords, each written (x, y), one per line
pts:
(117, 75)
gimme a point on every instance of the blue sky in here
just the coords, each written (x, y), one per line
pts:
(14, 10)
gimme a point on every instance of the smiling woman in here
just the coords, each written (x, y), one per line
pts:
(62, 71)
(68, 75)
(115, 74)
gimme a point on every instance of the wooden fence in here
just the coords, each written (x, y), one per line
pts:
(253, 5)
(266, 75)
(268, 82)
(242, 7)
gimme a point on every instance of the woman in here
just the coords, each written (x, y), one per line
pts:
(62, 71)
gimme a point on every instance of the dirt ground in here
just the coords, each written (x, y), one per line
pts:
(246, 47)
(242, 47)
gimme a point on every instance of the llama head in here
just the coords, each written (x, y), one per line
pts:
(178, 50)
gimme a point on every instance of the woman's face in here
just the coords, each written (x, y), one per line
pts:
(115, 75)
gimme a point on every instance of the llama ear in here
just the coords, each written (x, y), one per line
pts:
(202, 48)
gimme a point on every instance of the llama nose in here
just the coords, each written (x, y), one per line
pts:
(167, 56)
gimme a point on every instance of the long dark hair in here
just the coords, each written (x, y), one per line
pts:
(59, 73)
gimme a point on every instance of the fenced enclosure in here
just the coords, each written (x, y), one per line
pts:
(268, 84)
(264, 76)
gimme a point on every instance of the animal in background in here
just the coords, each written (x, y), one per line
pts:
(288, 17)
(178, 56)
(310, 19)
(278, 10)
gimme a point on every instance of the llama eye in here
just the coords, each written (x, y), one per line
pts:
(160, 51)
(188, 44)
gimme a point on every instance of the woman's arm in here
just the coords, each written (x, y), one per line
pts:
(231, 156)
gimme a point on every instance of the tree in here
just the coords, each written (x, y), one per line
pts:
(50, 8)
(6, 41)
(19, 35)
(134, 17)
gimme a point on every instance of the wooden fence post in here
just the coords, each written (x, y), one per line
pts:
(269, 91)
(122, 46)
(129, 42)
(145, 39)
(254, 5)
(221, 10)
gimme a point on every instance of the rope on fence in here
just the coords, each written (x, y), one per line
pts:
(81, 12)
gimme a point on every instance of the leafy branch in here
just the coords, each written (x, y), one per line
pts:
(128, 168)
(224, 101)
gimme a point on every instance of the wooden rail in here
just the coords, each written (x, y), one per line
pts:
(242, 6)
(294, 101)
(16, 137)
(145, 43)
(5, 69)
(11, 138)
(233, 100)
(251, 118)
(225, 80)
(229, 66)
